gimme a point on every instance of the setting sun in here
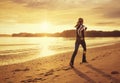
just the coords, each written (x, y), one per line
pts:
(45, 26)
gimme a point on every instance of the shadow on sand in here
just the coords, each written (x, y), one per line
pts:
(84, 76)
(109, 77)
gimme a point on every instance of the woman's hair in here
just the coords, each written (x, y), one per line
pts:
(80, 20)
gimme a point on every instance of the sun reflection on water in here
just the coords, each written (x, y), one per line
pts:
(44, 47)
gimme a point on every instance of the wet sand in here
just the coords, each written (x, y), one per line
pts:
(102, 67)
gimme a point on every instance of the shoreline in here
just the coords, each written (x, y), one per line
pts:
(103, 66)
(29, 58)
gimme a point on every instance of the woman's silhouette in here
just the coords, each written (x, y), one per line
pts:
(80, 40)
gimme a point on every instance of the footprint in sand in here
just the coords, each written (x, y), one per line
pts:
(56, 76)
(41, 74)
(17, 70)
(28, 76)
(58, 69)
(6, 78)
(114, 72)
(50, 72)
(88, 72)
(94, 58)
(66, 68)
(32, 80)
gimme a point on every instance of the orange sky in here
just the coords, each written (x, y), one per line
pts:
(50, 16)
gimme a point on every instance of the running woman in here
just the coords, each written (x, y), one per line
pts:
(80, 40)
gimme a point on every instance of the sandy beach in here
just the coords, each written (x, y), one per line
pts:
(102, 67)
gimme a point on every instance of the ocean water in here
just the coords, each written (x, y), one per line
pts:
(21, 49)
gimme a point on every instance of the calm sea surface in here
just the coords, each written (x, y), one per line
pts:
(21, 49)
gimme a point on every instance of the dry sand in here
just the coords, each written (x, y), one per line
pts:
(103, 67)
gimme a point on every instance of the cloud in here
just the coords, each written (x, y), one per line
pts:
(113, 14)
(109, 10)
(59, 4)
(108, 23)
(33, 3)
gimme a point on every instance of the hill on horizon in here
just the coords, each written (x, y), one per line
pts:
(71, 33)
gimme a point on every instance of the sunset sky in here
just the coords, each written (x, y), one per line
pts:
(50, 16)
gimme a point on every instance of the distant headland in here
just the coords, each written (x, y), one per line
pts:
(66, 33)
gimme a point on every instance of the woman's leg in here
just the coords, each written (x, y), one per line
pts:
(84, 51)
(74, 53)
